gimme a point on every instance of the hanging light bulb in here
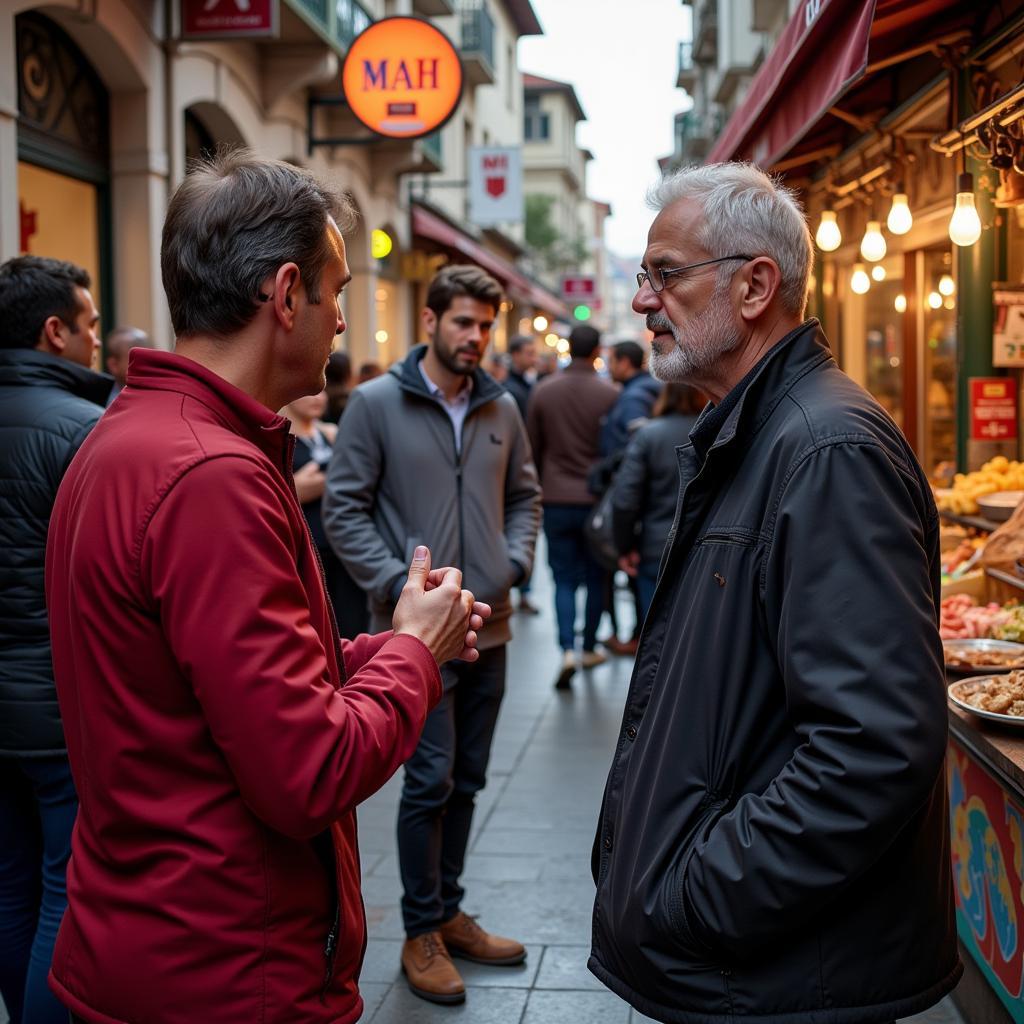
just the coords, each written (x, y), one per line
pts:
(878, 272)
(934, 300)
(872, 245)
(900, 302)
(965, 224)
(828, 235)
(859, 281)
(900, 219)
(946, 285)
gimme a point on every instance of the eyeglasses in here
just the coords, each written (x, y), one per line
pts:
(657, 276)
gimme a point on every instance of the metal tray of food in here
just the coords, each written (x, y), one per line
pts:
(1009, 687)
(971, 657)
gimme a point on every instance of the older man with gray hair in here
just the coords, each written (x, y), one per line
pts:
(773, 841)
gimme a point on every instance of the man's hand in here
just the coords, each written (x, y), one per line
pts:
(628, 563)
(309, 482)
(436, 610)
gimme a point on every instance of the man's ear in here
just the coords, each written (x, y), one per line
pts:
(287, 282)
(428, 318)
(50, 337)
(761, 279)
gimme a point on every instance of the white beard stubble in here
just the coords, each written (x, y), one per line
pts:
(709, 336)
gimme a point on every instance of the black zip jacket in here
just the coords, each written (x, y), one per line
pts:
(47, 407)
(773, 842)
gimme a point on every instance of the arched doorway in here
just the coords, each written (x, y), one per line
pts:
(63, 153)
(207, 128)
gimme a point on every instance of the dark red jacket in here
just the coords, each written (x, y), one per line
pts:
(218, 751)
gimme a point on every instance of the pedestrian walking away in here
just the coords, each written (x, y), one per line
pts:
(632, 409)
(646, 488)
(566, 413)
(790, 662)
(220, 731)
(435, 452)
(522, 354)
(49, 401)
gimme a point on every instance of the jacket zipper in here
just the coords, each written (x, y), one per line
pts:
(331, 951)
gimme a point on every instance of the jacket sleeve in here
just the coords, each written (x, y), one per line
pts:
(350, 496)
(628, 489)
(850, 607)
(218, 565)
(522, 501)
(359, 651)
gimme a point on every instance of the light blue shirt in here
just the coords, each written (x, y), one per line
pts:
(457, 408)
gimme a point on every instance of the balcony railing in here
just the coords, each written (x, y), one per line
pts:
(337, 21)
(686, 75)
(477, 41)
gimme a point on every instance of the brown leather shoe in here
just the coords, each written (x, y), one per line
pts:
(465, 938)
(429, 970)
(626, 648)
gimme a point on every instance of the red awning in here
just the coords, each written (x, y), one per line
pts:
(863, 52)
(430, 225)
(815, 60)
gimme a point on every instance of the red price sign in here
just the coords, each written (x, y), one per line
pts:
(993, 408)
(228, 19)
(578, 288)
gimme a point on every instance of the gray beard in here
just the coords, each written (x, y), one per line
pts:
(709, 336)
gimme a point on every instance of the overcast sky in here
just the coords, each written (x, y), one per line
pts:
(622, 60)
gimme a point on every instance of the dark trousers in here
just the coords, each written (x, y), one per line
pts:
(37, 812)
(442, 779)
(573, 566)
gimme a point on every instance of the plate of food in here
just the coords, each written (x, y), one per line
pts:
(998, 698)
(972, 657)
(1000, 505)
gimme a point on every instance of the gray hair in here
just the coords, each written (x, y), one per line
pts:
(747, 211)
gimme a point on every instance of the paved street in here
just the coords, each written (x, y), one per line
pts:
(528, 872)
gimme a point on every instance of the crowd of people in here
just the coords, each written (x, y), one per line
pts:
(239, 596)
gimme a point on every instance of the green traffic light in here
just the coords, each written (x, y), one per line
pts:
(581, 312)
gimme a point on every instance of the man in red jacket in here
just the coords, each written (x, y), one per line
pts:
(220, 733)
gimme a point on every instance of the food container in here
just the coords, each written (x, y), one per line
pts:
(968, 657)
(1000, 506)
(959, 692)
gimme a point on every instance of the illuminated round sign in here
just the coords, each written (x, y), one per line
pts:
(402, 77)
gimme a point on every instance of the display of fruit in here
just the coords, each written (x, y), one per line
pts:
(998, 474)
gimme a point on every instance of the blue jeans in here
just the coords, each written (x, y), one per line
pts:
(573, 566)
(646, 581)
(37, 812)
(442, 779)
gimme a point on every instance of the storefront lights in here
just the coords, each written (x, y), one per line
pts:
(563, 345)
(872, 245)
(540, 323)
(859, 281)
(900, 219)
(551, 339)
(878, 272)
(382, 337)
(900, 302)
(380, 244)
(946, 285)
(965, 224)
(828, 235)
(934, 300)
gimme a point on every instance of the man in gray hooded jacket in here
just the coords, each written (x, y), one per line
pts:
(434, 452)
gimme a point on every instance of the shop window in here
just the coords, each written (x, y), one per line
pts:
(883, 337)
(938, 310)
(63, 152)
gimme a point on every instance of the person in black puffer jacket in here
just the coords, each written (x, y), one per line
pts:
(49, 401)
(646, 487)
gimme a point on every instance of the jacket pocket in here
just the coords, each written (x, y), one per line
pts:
(671, 914)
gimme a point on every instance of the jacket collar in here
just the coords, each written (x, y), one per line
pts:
(29, 367)
(154, 370)
(485, 387)
(796, 354)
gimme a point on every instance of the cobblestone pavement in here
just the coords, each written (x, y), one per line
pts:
(528, 871)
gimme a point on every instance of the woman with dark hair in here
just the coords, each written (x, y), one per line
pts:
(647, 485)
(313, 445)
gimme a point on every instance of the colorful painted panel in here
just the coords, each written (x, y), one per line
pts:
(988, 867)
